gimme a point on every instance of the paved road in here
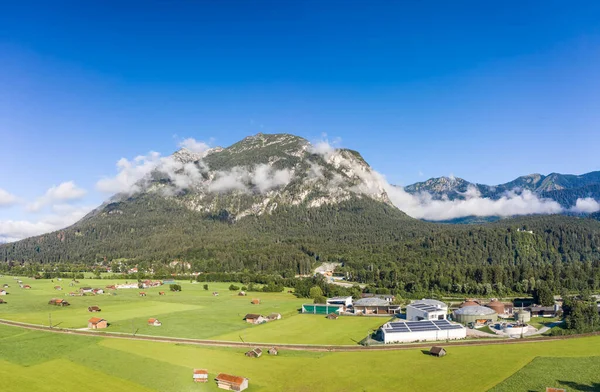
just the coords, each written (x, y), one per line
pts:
(298, 347)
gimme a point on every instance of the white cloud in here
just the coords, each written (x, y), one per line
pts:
(63, 192)
(586, 205)
(263, 177)
(65, 215)
(129, 174)
(7, 199)
(323, 147)
(194, 146)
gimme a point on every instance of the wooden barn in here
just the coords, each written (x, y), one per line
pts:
(161, 293)
(2, 301)
(333, 316)
(94, 309)
(142, 294)
(255, 301)
(97, 323)
(154, 322)
(273, 351)
(242, 293)
(200, 375)
(27, 287)
(3, 292)
(215, 293)
(274, 316)
(57, 288)
(252, 318)
(255, 353)
(437, 351)
(231, 383)
(58, 302)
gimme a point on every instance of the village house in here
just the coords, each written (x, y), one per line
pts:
(255, 353)
(97, 323)
(274, 316)
(200, 375)
(437, 351)
(94, 309)
(154, 322)
(273, 351)
(255, 301)
(231, 383)
(58, 302)
(252, 318)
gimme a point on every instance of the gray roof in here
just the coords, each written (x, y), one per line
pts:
(475, 310)
(426, 307)
(340, 298)
(432, 302)
(419, 326)
(373, 301)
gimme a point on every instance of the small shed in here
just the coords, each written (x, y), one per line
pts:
(58, 302)
(200, 375)
(57, 288)
(231, 383)
(2, 301)
(273, 351)
(253, 318)
(5, 286)
(97, 323)
(154, 322)
(332, 316)
(94, 309)
(255, 301)
(242, 293)
(142, 294)
(437, 351)
(161, 293)
(255, 353)
(86, 290)
(3, 292)
(27, 287)
(215, 293)
(274, 316)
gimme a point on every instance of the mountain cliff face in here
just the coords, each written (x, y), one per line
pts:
(563, 188)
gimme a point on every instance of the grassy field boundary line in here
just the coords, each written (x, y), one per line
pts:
(510, 375)
(287, 346)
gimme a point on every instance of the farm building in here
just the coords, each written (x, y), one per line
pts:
(321, 309)
(345, 301)
(426, 309)
(2, 301)
(161, 293)
(274, 316)
(86, 290)
(94, 309)
(57, 288)
(215, 293)
(3, 292)
(333, 316)
(273, 351)
(111, 287)
(498, 307)
(437, 351)
(142, 294)
(255, 301)
(231, 383)
(127, 286)
(255, 353)
(475, 314)
(5, 286)
(387, 297)
(58, 302)
(27, 287)
(97, 323)
(252, 318)
(154, 322)
(374, 305)
(413, 331)
(98, 291)
(544, 311)
(200, 375)
(242, 293)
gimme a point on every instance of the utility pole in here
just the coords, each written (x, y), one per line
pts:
(132, 328)
(50, 320)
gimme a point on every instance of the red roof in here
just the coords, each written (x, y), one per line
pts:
(95, 320)
(200, 371)
(231, 379)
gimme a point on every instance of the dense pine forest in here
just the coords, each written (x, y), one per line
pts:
(375, 243)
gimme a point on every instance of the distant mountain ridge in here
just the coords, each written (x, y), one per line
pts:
(563, 188)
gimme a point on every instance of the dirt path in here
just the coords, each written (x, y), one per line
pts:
(299, 347)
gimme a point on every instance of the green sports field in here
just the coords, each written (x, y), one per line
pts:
(44, 361)
(191, 313)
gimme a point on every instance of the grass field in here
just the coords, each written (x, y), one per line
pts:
(43, 361)
(191, 313)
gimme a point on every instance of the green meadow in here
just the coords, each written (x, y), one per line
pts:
(191, 313)
(44, 361)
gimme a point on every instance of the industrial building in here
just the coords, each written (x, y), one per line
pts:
(407, 331)
(522, 316)
(345, 301)
(374, 306)
(475, 314)
(426, 309)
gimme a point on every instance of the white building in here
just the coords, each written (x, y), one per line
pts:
(426, 309)
(346, 301)
(405, 332)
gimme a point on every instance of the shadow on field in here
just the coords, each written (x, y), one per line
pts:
(594, 387)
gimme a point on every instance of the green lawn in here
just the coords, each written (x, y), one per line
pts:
(572, 374)
(191, 313)
(43, 361)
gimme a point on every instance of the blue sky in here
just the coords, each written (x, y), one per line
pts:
(421, 89)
